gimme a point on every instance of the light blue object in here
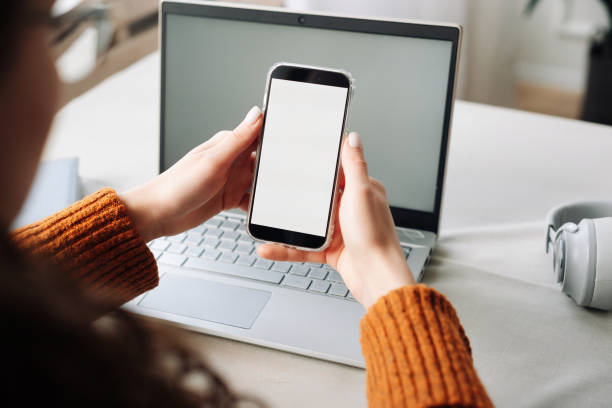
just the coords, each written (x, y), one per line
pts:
(55, 187)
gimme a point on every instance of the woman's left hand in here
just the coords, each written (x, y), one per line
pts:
(213, 177)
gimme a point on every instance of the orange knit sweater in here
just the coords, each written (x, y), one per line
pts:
(416, 352)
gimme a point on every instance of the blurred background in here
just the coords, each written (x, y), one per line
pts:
(546, 56)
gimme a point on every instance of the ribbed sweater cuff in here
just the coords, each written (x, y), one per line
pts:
(417, 354)
(96, 242)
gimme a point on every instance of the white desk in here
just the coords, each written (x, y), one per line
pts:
(531, 344)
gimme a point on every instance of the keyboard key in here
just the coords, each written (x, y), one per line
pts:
(241, 228)
(338, 289)
(227, 246)
(176, 248)
(245, 260)
(210, 242)
(160, 245)
(299, 270)
(234, 270)
(230, 235)
(211, 254)
(319, 286)
(172, 259)
(229, 225)
(246, 239)
(245, 249)
(228, 257)
(193, 239)
(296, 282)
(214, 222)
(177, 238)
(281, 267)
(317, 273)
(407, 251)
(314, 265)
(263, 263)
(334, 276)
(194, 251)
(200, 229)
(155, 253)
(213, 232)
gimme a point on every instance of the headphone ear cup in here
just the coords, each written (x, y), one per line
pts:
(602, 279)
(580, 260)
(559, 255)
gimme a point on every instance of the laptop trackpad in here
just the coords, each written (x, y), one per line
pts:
(207, 300)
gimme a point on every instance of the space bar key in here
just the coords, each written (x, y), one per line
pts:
(234, 270)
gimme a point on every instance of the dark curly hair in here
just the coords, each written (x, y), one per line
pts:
(61, 346)
(10, 13)
(56, 345)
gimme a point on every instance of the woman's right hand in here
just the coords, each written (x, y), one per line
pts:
(365, 249)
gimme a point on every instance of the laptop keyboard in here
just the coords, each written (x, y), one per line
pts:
(222, 245)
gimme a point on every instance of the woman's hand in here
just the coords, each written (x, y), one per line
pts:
(213, 177)
(365, 249)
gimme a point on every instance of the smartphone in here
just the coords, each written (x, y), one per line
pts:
(293, 196)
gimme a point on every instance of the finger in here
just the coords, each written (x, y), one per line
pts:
(341, 178)
(236, 187)
(239, 181)
(380, 187)
(240, 139)
(281, 253)
(244, 202)
(213, 141)
(210, 143)
(353, 162)
(244, 164)
(244, 158)
(253, 161)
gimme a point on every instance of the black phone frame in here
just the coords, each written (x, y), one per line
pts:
(311, 76)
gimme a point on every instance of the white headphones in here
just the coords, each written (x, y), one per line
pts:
(581, 236)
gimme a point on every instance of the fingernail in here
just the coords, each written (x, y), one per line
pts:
(354, 139)
(253, 115)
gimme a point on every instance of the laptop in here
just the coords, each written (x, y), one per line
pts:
(214, 59)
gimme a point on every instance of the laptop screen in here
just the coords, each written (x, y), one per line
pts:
(214, 70)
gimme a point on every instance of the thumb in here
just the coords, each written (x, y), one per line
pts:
(353, 162)
(238, 140)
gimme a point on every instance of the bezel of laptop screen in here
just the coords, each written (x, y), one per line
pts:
(428, 221)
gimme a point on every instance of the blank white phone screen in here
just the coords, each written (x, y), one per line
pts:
(299, 151)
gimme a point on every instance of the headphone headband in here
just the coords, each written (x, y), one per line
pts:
(574, 212)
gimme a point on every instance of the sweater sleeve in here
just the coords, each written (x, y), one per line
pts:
(417, 354)
(95, 242)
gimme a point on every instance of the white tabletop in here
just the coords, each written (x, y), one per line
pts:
(532, 346)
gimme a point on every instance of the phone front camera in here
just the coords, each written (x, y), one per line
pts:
(301, 20)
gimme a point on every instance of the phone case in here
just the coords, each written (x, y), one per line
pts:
(332, 219)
